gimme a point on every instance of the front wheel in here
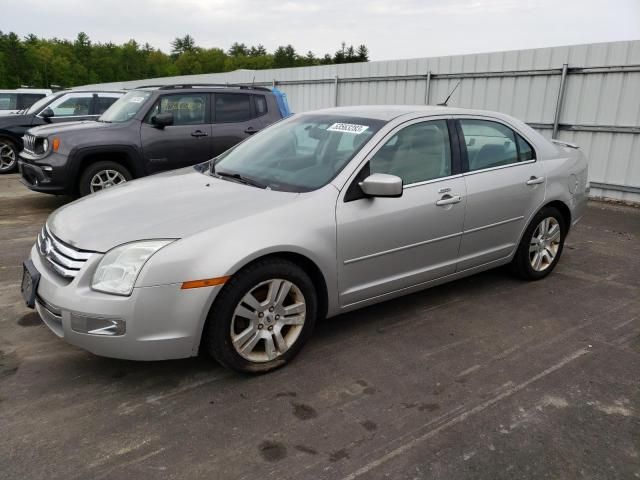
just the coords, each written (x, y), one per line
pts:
(102, 175)
(8, 156)
(541, 245)
(262, 317)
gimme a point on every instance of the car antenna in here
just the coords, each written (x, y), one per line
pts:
(444, 104)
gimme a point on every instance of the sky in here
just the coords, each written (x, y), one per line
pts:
(391, 29)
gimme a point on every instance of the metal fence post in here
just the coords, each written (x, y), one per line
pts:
(556, 117)
(335, 100)
(426, 92)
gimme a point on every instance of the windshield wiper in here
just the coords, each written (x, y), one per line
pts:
(239, 178)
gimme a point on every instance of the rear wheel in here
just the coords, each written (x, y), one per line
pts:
(8, 156)
(102, 175)
(541, 245)
(262, 317)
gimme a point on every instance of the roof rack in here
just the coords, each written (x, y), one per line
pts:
(178, 86)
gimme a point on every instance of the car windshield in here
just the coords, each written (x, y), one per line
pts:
(300, 154)
(125, 107)
(36, 107)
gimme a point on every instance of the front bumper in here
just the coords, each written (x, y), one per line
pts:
(154, 323)
(46, 175)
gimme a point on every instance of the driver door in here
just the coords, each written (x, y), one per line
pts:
(187, 141)
(390, 244)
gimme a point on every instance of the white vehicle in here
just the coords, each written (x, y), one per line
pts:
(13, 101)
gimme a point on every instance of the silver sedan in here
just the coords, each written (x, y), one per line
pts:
(319, 214)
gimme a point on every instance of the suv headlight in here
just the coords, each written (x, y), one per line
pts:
(45, 145)
(119, 268)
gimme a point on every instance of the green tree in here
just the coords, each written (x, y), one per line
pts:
(41, 62)
(183, 45)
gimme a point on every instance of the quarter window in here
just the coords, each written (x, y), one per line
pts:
(525, 150)
(186, 109)
(491, 144)
(232, 107)
(260, 104)
(417, 153)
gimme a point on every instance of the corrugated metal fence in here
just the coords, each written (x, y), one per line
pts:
(585, 94)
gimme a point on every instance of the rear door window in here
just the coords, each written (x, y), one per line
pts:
(232, 107)
(490, 144)
(8, 101)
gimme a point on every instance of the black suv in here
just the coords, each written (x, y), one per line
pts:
(150, 129)
(62, 106)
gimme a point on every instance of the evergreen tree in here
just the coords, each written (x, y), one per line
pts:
(40, 62)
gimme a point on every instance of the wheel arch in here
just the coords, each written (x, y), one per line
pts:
(559, 205)
(124, 155)
(309, 267)
(303, 261)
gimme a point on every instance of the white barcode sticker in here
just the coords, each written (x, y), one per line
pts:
(136, 99)
(347, 128)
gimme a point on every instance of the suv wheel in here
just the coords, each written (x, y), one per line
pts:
(8, 156)
(102, 175)
(262, 317)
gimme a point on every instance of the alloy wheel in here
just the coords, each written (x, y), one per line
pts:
(544, 244)
(106, 179)
(268, 320)
(7, 157)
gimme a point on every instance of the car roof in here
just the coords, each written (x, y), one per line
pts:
(389, 112)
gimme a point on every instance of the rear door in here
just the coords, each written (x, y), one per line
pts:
(505, 186)
(234, 119)
(187, 141)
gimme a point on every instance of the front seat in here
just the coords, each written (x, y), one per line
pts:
(421, 155)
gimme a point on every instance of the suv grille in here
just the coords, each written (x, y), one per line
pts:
(65, 260)
(29, 142)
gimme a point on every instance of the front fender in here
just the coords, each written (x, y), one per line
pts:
(78, 155)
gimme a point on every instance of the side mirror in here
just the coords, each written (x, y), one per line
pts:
(46, 114)
(162, 120)
(382, 185)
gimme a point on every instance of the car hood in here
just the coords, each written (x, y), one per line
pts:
(170, 205)
(15, 119)
(59, 128)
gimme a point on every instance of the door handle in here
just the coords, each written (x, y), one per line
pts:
(198, 133)
(250, 130)
(535, 180)
(449, 200)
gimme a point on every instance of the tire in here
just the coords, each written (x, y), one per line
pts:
(108, 173)
(226, 323)
(541, 246)
(8, 156)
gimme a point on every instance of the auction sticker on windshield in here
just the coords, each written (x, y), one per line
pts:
(347, 128)
(136, 99)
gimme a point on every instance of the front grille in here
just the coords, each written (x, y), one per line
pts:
(63, 259)
(29, 143)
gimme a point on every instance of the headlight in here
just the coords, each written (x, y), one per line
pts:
(119, 268)
(45, 146)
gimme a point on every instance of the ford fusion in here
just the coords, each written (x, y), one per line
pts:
(319, 214)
